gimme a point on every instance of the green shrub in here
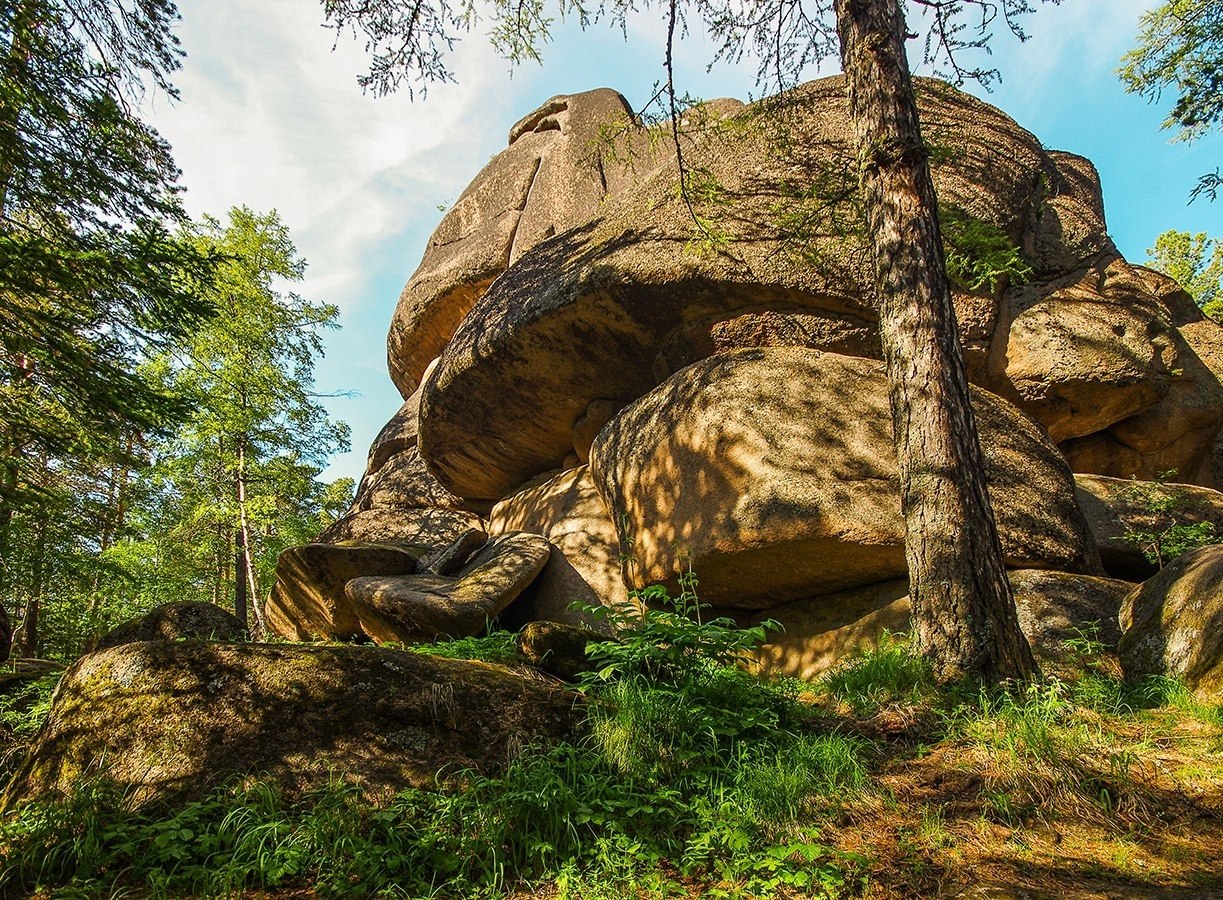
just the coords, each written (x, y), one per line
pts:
(1167, 536)
(979, 254)
(692, 769)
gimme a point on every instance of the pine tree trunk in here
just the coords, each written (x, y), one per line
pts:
(963, 609)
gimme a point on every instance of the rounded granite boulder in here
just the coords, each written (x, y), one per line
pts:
(772, 473)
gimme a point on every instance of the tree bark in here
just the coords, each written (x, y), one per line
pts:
(963, 609)
(244, 571)
(26, 641)
(240, 563)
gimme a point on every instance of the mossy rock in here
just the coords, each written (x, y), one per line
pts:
(173, 720)
(176, 622)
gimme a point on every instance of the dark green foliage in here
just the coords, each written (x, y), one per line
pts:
(979, 254)
(90, 273)
(585, 821)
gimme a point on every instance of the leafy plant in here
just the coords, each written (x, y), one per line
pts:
(890, 672)
(496, 647)
(1167, 535)
(979, 254)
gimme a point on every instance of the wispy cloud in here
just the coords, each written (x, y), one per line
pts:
(270, 117)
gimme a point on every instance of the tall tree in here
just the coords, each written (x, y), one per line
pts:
(92, 279)
(1196, 262)
(1180, 49)
(257, 436)
(963, 607)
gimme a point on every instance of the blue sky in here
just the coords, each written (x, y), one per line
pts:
(272, 117)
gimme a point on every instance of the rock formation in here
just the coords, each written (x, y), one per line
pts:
(177, 622)
(648, 379)
(1173, 624)
(171, 720)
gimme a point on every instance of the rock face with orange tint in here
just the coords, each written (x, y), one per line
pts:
(580, 361)
(773, 474)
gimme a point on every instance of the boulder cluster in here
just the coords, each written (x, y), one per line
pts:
(615, 374)
(618, 367)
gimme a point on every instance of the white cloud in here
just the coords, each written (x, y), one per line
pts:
(270, 117)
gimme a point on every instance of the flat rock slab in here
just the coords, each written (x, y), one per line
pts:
(585, 565)
(308, 598)
(415, 609)
(173, 720)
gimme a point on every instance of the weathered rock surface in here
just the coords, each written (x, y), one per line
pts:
(424, 608)
(585, 564)
(556, 648)
(819, 632)
(1056, 607)
(1087, 346)
(173, 720)
(176, 622)
(816, 633)
(1088, 356)
(425, 527)
(1116, 507)
(308, 598)
(1173, 624)
(548, 180)
(568, 299)
(772, 473)
(403, 482)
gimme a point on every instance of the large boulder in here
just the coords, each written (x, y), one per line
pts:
(174, 720)
(189, 619)
(772, 473)
(548, 180)
(1173, 624)
(1124, 513)
(586, 563)
(1086, 356)
(413, 609)
(403, 482)
(1088, 345)
(1053, 608)
(628, 289)
(1056, 608)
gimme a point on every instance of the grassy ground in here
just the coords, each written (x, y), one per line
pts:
(697, 780)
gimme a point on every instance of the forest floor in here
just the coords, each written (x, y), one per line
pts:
(1077, 787)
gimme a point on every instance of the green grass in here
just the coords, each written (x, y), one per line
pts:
(887, 674)
(495, 647)
(692, 777)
